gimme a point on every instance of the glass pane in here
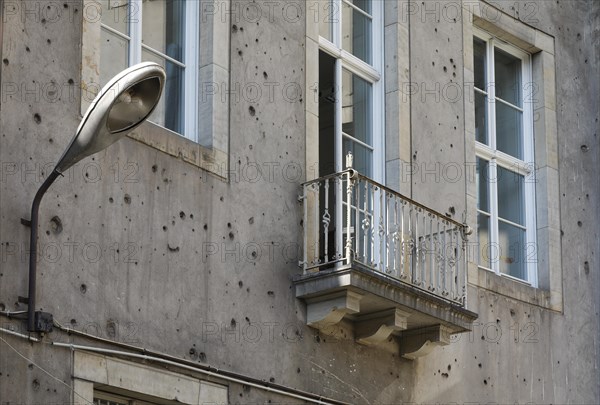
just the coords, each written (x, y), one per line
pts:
(482, 185)
(511, 196)
(163, 25)
(356, 33)
(169, 111)
(356, 107)
(363, 157)
(114, 53)
(511, 250)
(509, 137)
(481, 118)
(483, 238)
(364, 5)
(508, 77)
(115, 14)
(479, 47)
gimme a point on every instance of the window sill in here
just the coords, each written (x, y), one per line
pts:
(516, 289)
(212, 160)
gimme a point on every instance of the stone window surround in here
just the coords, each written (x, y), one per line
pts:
(96, 371)
(212, 153)
(541, 47)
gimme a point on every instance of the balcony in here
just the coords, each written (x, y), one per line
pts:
(387, 266)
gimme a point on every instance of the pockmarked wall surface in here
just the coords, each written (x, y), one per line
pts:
(144, 248)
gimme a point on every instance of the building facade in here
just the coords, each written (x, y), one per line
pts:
(341, 201)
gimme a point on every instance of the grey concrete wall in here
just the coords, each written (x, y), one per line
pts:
(158, 253)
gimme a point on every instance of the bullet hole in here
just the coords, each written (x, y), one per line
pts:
(234, 28)
(435, 29)
(445, 69)
(27, 49)
(272, 379)
(265, 75)
(202, 357)
(298, 370)
(256, 40)
(445, 375)
(48, 41)
(172, 249)
(229, 225)
(452, 146)
(452, 210)
(73, 321)
(127, 199)
(586, 267)
(512, 312)
(252, 111)
(191, 216)
(240, 52)
(251, 220)
(584, 148)
(270, 293)
(449, 367)
(193, 352)
(242, 29)
(205, 227)
(37, 118)
(241, 284)
(35, 384)
(5, 61)
(485, 382)
(111, 200)
(221, 198)
(284, 38)
(451, 60)
(83, 288)
(247, 319)
(56, 225)
(111, 329)
(165, 228)
(578, 36)
(233, 323)
(579, 224)
(181, 215)
(2, 306)
(432, 63)
(231, 236)
(29, 366)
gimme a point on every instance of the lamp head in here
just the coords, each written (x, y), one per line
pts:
(120, 107)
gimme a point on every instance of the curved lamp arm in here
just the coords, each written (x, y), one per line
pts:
(121, 106)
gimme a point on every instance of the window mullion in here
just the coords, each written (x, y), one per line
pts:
(135, 31)
(339, 92)
(493, 201)
(192, 36)
(337, 23)
(491, 88)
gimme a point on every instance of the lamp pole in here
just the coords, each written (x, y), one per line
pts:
(35, 319)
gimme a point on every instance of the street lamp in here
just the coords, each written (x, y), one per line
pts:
(121, 106)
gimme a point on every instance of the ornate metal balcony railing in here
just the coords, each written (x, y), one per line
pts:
(351, 220)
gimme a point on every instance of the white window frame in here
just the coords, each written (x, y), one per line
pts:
(525, 167)
(372, 73)
(190, 56)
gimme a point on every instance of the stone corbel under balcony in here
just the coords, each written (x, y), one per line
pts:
(380, 308)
